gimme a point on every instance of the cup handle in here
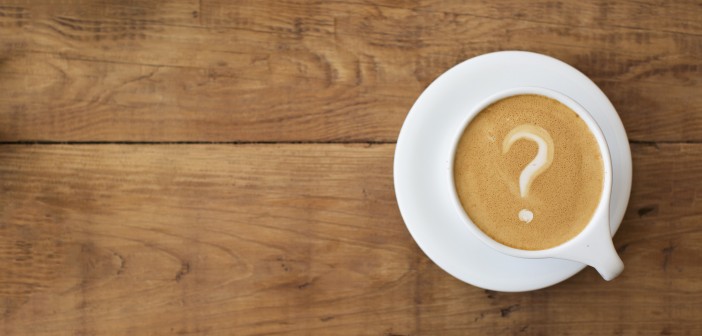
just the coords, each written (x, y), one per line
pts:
(597, 250)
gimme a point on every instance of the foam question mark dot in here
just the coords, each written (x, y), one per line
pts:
(543, 159)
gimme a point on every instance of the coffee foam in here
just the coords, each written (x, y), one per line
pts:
(560, 201)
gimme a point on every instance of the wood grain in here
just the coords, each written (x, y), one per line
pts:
(126, 230)
(341, 71)
(301, 239)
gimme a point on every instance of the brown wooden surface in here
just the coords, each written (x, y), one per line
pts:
(253, 221)
(318, 71)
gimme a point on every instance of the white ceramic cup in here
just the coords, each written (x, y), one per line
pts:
(593, 245)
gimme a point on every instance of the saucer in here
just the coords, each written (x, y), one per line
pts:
(421, 160)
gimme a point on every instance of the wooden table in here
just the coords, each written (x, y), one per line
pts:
(213, 167)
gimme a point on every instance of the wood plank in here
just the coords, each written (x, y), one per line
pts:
(328, 71)
(671, 16)
(301, 239)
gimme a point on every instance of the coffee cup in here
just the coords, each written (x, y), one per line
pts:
(592, 244)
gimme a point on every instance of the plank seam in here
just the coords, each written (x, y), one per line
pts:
(339, 142)
(49, 142)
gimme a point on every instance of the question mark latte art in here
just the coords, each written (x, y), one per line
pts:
(543, 159)
(528, 172)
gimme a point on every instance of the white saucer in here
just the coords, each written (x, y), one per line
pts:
(422, 149)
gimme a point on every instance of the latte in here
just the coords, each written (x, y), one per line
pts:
(529, 172)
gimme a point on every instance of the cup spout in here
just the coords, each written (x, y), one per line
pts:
(609, 264)
(597, 250)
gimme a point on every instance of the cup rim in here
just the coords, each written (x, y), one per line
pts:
(602, 209)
